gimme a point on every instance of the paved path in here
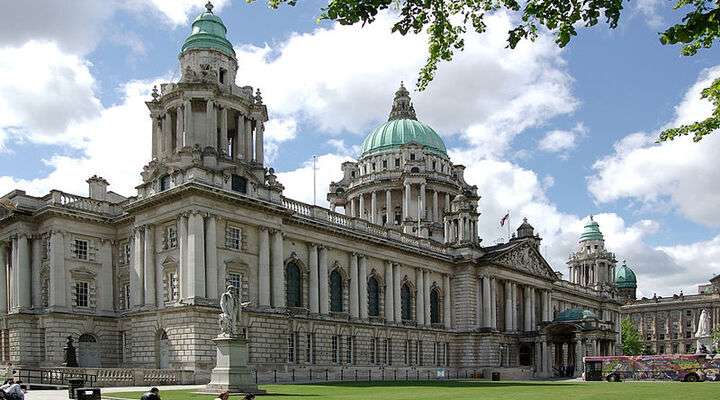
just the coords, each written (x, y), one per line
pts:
(63, 394)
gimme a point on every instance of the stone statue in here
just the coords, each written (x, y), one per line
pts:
(231, 307)
(703, 333)
(70, 354)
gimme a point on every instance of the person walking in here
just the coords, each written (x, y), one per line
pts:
(153, 394)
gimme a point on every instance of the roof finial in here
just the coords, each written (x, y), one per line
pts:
(209, 7)
(402, 107)
(591, 217)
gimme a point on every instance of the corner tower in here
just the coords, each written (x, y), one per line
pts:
(592, 265)
(404, 180)
(206, 128)
(626, 283)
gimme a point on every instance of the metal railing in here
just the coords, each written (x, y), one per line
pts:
(52, 377)
(310, 375)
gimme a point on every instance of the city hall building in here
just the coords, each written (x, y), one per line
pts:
(393, 277)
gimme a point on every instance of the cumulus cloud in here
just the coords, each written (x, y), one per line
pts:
(562, 141)
(680, 175)
(298, 182)
(649, 11)
(42, 90)
(349, 74)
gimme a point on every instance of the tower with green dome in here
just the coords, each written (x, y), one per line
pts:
(404, 180)
(592, 265)
(626, 282)
(205, 127)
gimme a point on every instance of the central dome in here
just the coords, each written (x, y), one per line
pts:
(402, 128)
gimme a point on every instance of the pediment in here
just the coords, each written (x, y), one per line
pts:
(525, 257)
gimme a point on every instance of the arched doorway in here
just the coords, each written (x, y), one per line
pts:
(88, 351)
(163, 350)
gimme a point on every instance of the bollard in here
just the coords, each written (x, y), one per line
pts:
(418, 374)
(342, 375)
(355, 375)
(256, 378)
(383, 374)
(275, 375)
(406, 375)
(326, 375)
(369, 375)
(395, 375)
(293, 375)
(310, 374)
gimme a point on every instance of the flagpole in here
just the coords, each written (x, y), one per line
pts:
(314, 181)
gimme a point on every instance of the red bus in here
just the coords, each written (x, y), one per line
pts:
(679, 367)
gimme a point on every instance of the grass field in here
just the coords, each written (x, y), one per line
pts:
(467, 390)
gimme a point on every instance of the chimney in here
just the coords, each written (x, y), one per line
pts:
(97, 188)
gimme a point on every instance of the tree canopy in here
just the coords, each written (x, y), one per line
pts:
(631, 341)
(446, 23)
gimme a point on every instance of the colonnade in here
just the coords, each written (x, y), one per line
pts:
(178, 126)
(488, 306)
(592, 272)
(462, 228)
(359, 204)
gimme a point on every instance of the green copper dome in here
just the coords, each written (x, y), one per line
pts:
(592, 231)
(625, 278)
(574, 314)
(402, 128)
(208, 32)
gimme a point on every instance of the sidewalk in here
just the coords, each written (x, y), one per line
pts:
(63, 394)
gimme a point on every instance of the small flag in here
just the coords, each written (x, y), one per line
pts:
(504, 219)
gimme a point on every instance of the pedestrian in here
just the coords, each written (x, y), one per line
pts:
(223, 396)
(153, 394)
(12, 390)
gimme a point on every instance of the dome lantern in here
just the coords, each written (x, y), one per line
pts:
(208, 32)
(591, 231)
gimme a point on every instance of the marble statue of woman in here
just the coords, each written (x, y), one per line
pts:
(229, 316)
(703, 329)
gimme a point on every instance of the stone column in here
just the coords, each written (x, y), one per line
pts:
(239, 140)
(423, 202)
(389, 212)
(426, 298)
(179, 127)
(461, 230)
(149, 266)
(436, 207)
(362, 287)
(551, 359)
(3, 278)
(406, 201)
(578, 358)
(187, 116)
(353, 210)
(396, 293)
(137, 280)
(224, 132)
(508, 306)
(447, 201)
(104, 278)
(361, 206)
(182, 252)
(486, 321)
(23, 282)
(166, 140)
(446, 302)
(354, 290)
(248, 140)
(544, 357)
(373, 207)
(513, 302)
(419, 298)
(211, 257)
(264, 267)
(493, 303)
(526, 308)
(533, 313)
(389, 295)
(323, 281)
(211, 124)
(156, 134)
(259, 145)
(314, 279)
(278, 270)
(196, 255)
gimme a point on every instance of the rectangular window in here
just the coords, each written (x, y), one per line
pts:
(435, 353)
(291, 347)
(373, 344)
(662, 336)
(335, 349)
(688, 335)
(388, 351)
(238, 184)
(412, 156)
(124, 253)
(164, 183)
(397, 162)
(446, 354)
(406, 356)
(688, 313)
(420, 352)
(170, 237)
(434, 164)
(373, 167)
(125, 293)
(80, 249)
(350, 349)
(233, 238)
(234, 280)
(173, 286)
(385, 164)
(308, 348)
(82, 293)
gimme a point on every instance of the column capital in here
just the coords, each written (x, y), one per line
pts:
(263, 228)
(313, 245)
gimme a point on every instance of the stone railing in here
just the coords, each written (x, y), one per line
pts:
(360, 225)
(67, 200)
(109, 377)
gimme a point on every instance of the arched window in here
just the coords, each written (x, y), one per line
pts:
(294, 285)
(434, 306)
(336, 291)
(373, 297)
(88, 351)
(406, 302)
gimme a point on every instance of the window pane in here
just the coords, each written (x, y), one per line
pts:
(294, 290)
(336, 292)
(406, 301)
(434, 307)
(373, 297)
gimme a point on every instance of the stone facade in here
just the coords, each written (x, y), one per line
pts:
(668, 324)
(136, 280)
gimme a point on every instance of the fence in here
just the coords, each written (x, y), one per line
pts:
(311, 375)
(107, 377)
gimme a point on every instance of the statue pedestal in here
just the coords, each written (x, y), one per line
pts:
(231, 370)
(705, 341)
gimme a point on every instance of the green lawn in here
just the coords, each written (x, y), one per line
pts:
(461, 390)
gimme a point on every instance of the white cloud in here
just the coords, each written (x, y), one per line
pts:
(42, 90)
(278, 130)
(649, 10)
(349, 74)
(562, 141)
(298, 182)
(177, 11)
(680, 174)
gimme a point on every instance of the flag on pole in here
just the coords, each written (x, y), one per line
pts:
(504, 219)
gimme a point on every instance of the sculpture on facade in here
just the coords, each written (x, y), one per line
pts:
(703, 333)
(231, 307)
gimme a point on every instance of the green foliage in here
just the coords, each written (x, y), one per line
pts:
(716, 335)
(699, 128)
(631, 341)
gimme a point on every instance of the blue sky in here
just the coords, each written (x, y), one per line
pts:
(549, 134)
